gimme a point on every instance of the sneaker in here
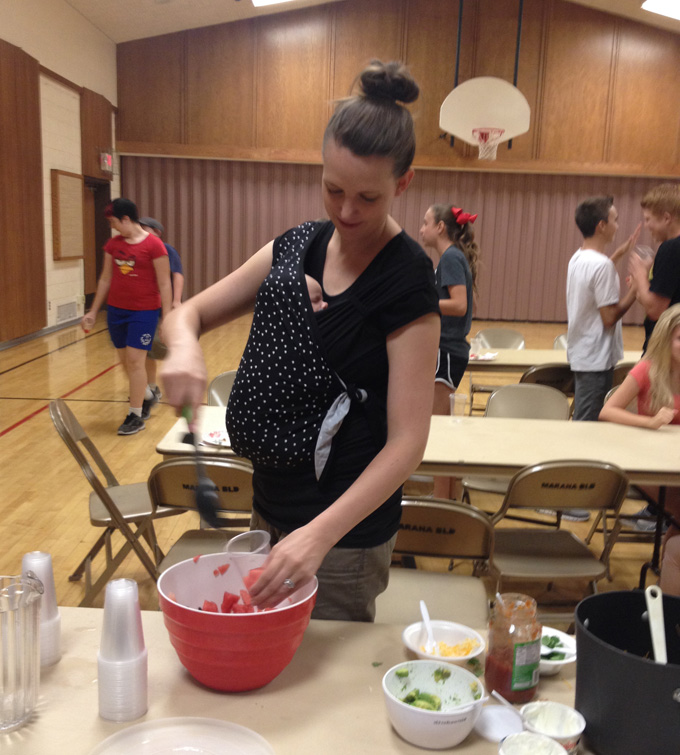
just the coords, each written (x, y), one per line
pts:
(149, 402)
(133, 424)
(569, 515)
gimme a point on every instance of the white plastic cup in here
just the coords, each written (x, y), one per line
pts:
(40, 564)
(476, 346)
(122, 661)
(20, 599)
(528, 743)
(254, 541)
(458, 404)
(557, 721)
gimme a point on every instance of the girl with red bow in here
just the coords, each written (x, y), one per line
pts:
(448, 231)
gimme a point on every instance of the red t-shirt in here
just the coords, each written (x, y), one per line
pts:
(133, 281)
(641, 374)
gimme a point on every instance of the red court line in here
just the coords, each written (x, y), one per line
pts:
(42, 408)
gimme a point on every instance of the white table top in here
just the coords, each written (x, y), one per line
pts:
(492, 446)
(513, 360)
(329, 699)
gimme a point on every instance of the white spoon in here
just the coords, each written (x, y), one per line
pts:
(429, 642)
(654, 599)
(507, 704)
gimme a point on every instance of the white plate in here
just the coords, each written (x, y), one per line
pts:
(217, 438)
(548, 668)
(199, 736)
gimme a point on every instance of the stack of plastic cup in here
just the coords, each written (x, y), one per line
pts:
(122, 657)
(50, 621)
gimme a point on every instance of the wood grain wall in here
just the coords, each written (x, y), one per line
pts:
(217, 213)
(22, 255)
(96, 132)
(602, 89)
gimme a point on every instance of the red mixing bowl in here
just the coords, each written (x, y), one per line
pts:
(230, 652)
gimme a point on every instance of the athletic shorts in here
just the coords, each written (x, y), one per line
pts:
(450, 369)
(131, 327)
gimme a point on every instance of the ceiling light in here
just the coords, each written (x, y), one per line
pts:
(668, 8)
(258, 3)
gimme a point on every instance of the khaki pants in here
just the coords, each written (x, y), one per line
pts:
(350, 579)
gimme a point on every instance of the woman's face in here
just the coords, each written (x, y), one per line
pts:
(358, 191)
(675, 346)
(429, 230)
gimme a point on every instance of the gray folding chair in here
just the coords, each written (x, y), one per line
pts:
(555, 375)
(113, 507)
(536, 555)
(494, 338)
(220, 388)
(438, 529)
(172, 483)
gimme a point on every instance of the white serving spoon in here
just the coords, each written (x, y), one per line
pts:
(654, 600)
(429, 642)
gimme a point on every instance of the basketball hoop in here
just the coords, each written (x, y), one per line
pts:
(488, 140)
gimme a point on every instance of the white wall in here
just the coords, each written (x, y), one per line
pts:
(63, 41)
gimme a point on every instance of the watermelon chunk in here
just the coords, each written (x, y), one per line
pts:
(251, 577)
(221, 569)
(229, 601)
(208, 605)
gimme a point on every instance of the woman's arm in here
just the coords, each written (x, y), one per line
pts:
(615, 409)
(103, 286)
(456, 305)
(412, 354)
(184, 373)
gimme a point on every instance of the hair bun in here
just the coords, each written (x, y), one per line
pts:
(388, 81)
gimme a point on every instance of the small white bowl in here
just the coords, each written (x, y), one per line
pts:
(527, 743)
(461, 694)
(550, 668)
(555, 720)
(414, 637)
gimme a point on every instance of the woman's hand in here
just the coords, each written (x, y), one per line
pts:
(185, 378)
(664, 416)
(87, 323)
(297, 557)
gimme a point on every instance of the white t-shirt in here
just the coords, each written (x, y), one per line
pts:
(592, 282)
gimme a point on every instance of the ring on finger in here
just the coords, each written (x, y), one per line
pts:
(289, 584)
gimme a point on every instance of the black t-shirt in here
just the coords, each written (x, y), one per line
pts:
(665, 279)
(349, 336)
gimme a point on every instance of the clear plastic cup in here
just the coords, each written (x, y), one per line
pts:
(19, 648)
(40, 564)
(458, 404)
(254, 541)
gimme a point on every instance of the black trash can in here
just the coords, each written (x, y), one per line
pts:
(631, 704)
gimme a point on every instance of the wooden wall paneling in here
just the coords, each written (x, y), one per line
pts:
(646, 105)
(220, 97)
(22, 245)
(431, 35)
(96, 132)
(151, 89)
(292, 79)
(495, 56)
(576, 84)
(364, 31)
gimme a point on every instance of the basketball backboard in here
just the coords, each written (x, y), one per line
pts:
(485, 111)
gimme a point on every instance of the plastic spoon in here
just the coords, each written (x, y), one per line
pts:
(429, 643)
(654, 600)
(507, 704)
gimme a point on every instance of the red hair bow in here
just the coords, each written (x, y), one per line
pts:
(462, 217)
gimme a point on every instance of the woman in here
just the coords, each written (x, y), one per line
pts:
(448, 231)
(135, 283)
(655, 383)
(329, 490)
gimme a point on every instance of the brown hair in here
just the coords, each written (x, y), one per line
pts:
(373, 122)
(663, 198)
(461, 235)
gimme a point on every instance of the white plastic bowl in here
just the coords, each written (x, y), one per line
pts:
(550, 668)
(414, 638)
(527, 743)
(461, 693)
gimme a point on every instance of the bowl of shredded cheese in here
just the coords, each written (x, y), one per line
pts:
(454, 643)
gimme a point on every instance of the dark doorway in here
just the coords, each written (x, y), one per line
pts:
(96, 232)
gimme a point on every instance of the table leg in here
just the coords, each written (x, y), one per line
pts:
(655, 563)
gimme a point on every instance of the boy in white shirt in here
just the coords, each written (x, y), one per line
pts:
(594, 307)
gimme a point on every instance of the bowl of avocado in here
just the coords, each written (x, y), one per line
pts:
(432, 704)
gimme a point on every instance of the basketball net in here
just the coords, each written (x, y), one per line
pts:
(488, 140)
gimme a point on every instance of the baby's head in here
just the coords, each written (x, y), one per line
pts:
(315, 294)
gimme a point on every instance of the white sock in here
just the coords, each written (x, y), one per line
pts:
(138, 412)
(148, 393)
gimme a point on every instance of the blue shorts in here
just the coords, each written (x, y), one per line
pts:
(450, 369)
(131, 327)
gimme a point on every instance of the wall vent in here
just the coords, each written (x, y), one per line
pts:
(68, 311)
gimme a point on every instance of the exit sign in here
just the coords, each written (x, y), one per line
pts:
(106, 162)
